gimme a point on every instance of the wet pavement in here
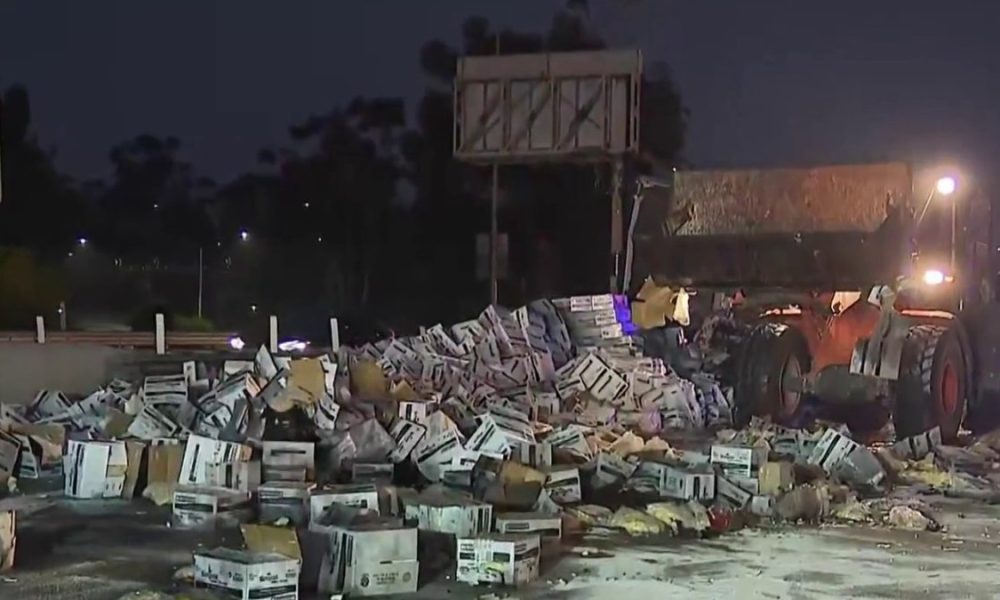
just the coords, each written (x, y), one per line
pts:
(98, 550)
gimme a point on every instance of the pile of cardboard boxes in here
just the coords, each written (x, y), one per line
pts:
(476, 437)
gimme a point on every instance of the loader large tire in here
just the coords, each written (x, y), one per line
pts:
(931, 389)
(773, 354)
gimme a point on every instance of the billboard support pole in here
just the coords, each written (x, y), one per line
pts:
(494, 241)
(617, 224)
(494, 192)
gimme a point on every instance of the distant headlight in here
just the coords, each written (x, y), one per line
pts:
(292, 346)
(933, 277)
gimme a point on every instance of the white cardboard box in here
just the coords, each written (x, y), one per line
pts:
(10, 448)
(918, 446)
(416, 411)
(206, 507)
(363, 495)
(740, 461)
(201, 452)
(563, 485)
(681, 483)
(370, 472)
(245, 576)
(370, 559)
(499, 435)
(94, 469)
(732, 493)
(832, 448)
(285, 461)
(240, 476)
(546, 526)
(504, 559)
(611, 469)
(48, 404)
(570, 439)
(436, 451)
(407, 436)
(284, 499)
(538, 456)
(457, 516)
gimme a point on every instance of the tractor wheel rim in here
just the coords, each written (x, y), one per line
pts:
(790, 399)
(948, 397)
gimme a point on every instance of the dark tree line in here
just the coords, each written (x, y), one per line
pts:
(357, 212)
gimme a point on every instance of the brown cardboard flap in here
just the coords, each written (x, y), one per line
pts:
(135, 451)
(272, 540)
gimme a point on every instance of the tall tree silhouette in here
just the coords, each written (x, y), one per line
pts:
(40, 209)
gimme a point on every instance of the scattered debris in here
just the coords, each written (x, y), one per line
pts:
(904, 517)
(493, 435)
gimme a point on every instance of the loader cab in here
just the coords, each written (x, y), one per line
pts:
(952, 262)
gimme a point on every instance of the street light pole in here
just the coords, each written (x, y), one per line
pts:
(954, 235)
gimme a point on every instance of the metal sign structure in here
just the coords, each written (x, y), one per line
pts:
(548, 107)
(564, 105)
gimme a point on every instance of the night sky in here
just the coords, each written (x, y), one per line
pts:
(767, 82)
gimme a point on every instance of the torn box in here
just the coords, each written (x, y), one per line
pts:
(496, 558)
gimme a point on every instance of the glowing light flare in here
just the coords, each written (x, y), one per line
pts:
(946, 186)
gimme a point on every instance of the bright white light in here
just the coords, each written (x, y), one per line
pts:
(237, 343)
(244, 235)
(946, 186)
(292, 346)
(253, 308)
(933, 277)
(82, 241)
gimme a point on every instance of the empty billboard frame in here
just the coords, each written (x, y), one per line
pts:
(548, 106)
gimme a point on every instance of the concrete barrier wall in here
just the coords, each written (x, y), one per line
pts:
(72, 368)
